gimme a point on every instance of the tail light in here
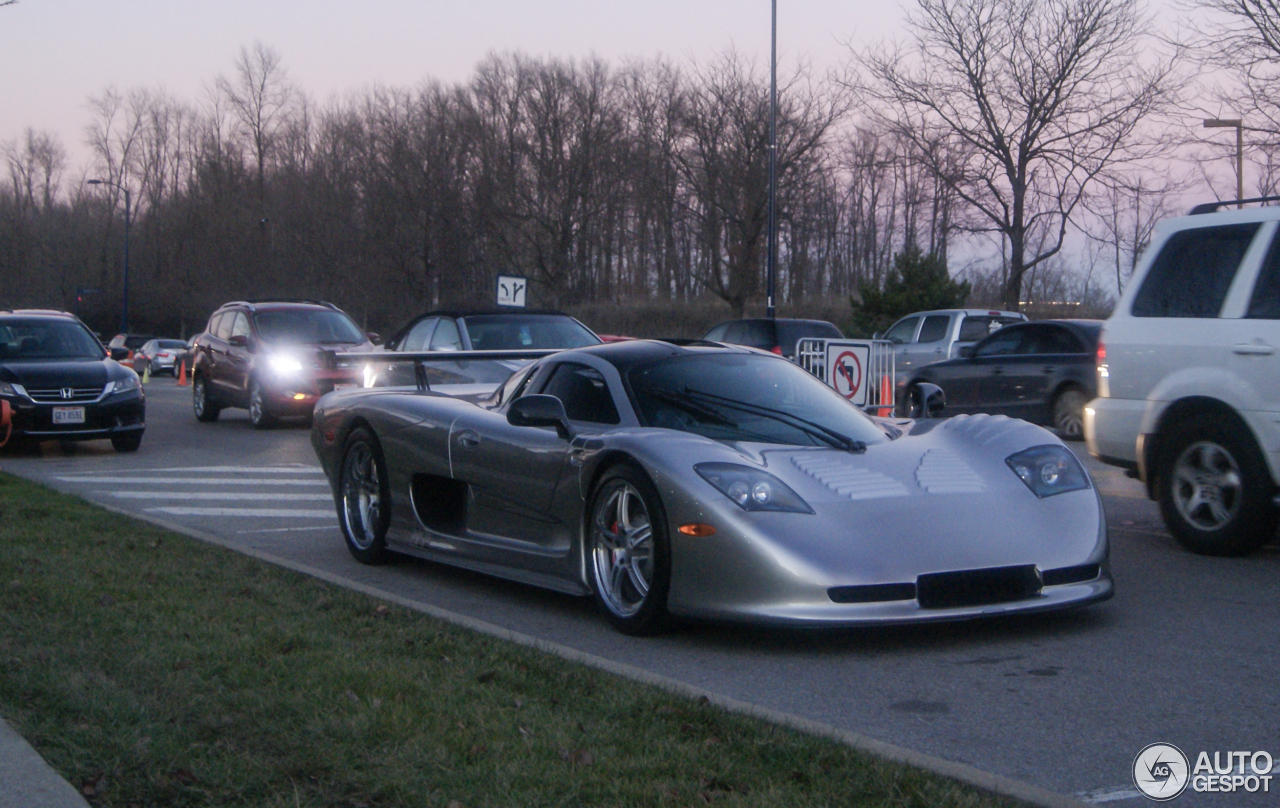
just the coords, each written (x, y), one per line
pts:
(777, 349)
(1102, 353)
(1104, 371)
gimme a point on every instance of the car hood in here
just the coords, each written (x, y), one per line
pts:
(65, 373)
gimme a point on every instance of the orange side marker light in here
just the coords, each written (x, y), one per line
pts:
(697, 530)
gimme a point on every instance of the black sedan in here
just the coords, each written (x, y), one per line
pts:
(60, 383)
(1043, 372)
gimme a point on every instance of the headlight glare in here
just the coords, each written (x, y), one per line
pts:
(284, 364)
(752, 489)
(1048, 470)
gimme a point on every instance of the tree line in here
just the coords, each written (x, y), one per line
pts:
(1016, 122)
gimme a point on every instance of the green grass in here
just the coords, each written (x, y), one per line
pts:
(154, 670)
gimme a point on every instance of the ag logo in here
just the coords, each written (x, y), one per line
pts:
(1161, 771)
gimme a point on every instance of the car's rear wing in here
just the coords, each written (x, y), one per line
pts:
(420, 360)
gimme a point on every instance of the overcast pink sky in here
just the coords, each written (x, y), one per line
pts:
(56, 53)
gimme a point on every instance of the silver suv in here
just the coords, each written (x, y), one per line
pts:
(1189, 378)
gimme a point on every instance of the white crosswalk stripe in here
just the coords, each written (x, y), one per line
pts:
(231, 492)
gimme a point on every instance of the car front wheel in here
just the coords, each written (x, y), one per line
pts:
(206, 410)
(1215, 489)
(259, 415)
(629, 555)
(1068, 413)
(128, 442)
(364, 504)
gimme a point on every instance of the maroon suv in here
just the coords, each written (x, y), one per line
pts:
(265, 356)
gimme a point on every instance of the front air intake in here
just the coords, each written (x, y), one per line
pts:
(951, 590)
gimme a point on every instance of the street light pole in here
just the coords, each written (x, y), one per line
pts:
(1238, 125)
(124, 309)
(771, 239)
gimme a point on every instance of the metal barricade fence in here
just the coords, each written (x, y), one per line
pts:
(811, 354)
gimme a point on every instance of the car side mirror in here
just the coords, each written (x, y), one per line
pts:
(238, 340)
(374, 337)
(119, 354)
(877, 335)
(926, 401)
(967, 352)
(540, 411)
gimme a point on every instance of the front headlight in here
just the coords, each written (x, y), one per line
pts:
(1049, 470)
(124, 385)
(6, 389)
(752, 489)
(285, 365)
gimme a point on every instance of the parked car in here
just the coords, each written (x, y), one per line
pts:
(778, 335)
(632, 473)
(1042, 372)
(266, 356)
(62, 384)
(1189, 378)
(479, 330)
(159, 356)
(130, 343)
(926, 337)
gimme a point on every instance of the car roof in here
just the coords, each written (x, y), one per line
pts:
(972, 312)
(629, 353)
(260, 305)
(66, 315)
(483, 312)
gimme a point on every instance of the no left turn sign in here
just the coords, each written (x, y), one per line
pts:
(848, 374)
(847, 366)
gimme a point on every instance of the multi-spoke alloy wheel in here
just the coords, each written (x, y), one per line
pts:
(204, 408)
(259, 416)
(364, 503)
(1068, 414)
(1206, 485)
(1214, 486)
(629, 562)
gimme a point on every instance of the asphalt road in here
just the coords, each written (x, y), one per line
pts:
(1186, 653)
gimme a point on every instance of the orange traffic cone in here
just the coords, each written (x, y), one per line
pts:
(886, 397)
(182, 374)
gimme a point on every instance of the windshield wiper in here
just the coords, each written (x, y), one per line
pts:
(697, 410)
(827, 435)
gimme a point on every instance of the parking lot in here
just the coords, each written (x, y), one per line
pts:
(1183, 654)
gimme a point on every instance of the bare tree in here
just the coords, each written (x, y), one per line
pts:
(262, 99)
(1126, 213)
(1039, 96)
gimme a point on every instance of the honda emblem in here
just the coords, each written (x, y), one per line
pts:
(67, 393)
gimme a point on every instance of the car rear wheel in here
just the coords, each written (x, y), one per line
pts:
(364, 504)
(629, 555)
(128, 442)
(1068, 413)
(203, 405)
(1215, 489)
(259, 415)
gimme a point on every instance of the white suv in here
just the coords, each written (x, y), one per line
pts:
(1189, 378)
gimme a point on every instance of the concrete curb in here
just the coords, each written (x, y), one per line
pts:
(969, 775)
(27, 781)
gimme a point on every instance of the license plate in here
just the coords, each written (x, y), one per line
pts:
(68, 415)
(343, 385)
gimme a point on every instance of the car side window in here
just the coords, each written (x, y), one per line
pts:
(902, 331)
(446, 337)
(934, 328)
(1191, 275)
(584, 393)
(417, 339)
(1004, 342)
(224, 325)
(1265, 302)
(1053, 339)
(240, 326)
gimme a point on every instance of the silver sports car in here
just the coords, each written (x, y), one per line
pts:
(718, 482)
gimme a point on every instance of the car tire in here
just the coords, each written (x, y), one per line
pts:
(364, 498)
(259, 415)
(1068, 413)
(205, 408)
(128, 442)
(1215, 489)
(628, 551)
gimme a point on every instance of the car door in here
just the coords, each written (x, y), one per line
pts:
(998, 372)
(902, 334)
(219, 362)
(239, 357)
(1254, 354)
(931, 342)
(1021, 388)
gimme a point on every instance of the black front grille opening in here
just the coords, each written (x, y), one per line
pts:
(872, 593)
(949, 590)
(1071, 575)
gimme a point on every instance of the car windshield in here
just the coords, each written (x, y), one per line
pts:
(47, 339)
(307, 326)
(738, 397)
(526, 332)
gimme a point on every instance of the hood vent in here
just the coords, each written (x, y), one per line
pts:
(846, 479)
(943, 472)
